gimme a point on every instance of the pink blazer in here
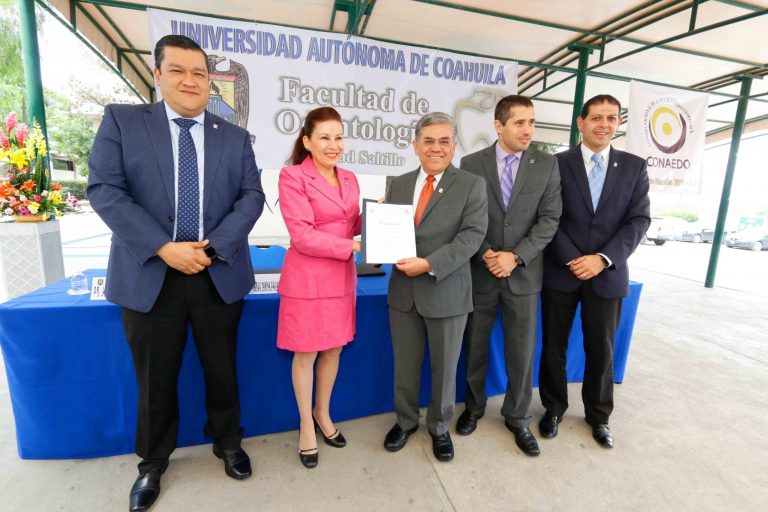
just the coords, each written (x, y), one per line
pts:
(321, 222)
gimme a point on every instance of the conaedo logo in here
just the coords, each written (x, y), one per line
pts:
(667, 124)
(667, 129)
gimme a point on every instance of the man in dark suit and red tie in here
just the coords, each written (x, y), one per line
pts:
(606, 212)
(180, 190)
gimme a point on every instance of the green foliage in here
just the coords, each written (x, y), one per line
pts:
(11, 68)
(546, 147)
(682, 214)
(76, 188)
(69, 134)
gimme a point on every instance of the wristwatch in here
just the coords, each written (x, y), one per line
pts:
(211, 252)
(519, 260)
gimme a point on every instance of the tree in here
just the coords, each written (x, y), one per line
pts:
(11, 67)
(69, 134)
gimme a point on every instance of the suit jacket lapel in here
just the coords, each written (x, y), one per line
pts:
(160, 135)
(316, 181)
(491, 170)
(449, 175)
(213, 146)
(580, 175)
(527, 161)
(611, 176)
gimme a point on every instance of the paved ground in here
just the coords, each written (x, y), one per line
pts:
(691, 427)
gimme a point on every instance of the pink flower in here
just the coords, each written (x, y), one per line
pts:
(11, 176)
(22, 131)
(11, 121)
(23, 211)
(4, 142)
(36, 198)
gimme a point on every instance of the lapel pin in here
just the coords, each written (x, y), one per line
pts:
(615, 164)
(346, 184)
(440, 191)
(215, 126)
(532, 161)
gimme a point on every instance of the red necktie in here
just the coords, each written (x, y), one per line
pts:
(426, 195)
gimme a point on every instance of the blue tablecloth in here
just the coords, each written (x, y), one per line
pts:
(74, 392)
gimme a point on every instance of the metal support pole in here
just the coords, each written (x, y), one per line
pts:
(31, 58)
(738, 128)
(581, 82)
(30, 53)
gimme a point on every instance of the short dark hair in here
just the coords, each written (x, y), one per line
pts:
(597, 100)
(505, 104)
(315, 116)
(177, 41)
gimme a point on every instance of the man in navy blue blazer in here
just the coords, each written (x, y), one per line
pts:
(180, 190)
(606, 212)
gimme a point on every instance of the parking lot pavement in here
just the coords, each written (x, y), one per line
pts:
(736, 269)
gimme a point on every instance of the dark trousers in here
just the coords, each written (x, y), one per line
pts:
(518, 319)
(157, 340)
(599, 320)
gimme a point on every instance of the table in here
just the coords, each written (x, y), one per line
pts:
(74, 393)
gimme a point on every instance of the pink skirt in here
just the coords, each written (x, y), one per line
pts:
(313, 325)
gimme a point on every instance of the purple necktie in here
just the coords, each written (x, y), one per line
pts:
(507, 182)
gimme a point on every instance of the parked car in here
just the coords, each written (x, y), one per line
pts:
(693, 232)
(663, 229)
(755, 239)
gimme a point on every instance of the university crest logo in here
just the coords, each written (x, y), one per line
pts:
(229, 91)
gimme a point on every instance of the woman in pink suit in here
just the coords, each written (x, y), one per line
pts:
(320, 206)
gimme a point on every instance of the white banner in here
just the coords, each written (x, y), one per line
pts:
(667, 127)
(266, 78)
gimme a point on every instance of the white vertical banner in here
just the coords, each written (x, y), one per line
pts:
(667, 127)
(266, 78)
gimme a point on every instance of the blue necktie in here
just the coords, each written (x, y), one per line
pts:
(507, 182)
(596, 179)
(188, 208)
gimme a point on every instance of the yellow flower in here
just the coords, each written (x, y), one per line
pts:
(55, 197)
(45, 217)
(33, 207)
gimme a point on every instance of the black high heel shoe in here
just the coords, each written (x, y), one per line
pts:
(308, 459)
(336, 440)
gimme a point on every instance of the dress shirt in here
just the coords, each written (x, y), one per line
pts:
(500, 163)
(420, 180)
(198, 137)
(586, 155)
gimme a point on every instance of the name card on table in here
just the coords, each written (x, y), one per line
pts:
(265, 283)
(97, 288)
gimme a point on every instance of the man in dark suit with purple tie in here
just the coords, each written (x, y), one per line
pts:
(606, 212)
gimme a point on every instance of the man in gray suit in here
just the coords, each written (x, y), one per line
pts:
(524, 207)
(430, 295)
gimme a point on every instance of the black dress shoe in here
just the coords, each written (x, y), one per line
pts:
(548, 425)
(397, 437)
(336, 440)
(525, 440)
(146, 489)
(237, 464)
(442, 447)
(308, 457)
(467, 423)
(602, 434)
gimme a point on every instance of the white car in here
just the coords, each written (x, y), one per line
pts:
(663, 229)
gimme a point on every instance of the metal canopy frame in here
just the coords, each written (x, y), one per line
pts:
(612, 40)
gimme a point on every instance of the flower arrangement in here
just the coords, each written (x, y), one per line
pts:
(26, 190)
